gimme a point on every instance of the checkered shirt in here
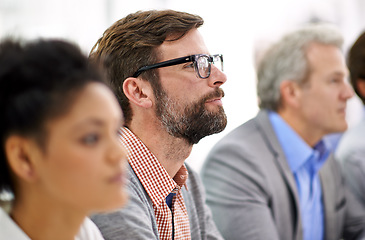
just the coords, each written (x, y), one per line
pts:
(158, 185)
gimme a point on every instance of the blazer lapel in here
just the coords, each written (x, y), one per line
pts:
(272, 142)
(328, 197)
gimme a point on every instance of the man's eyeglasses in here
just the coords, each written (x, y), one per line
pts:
(202, 64)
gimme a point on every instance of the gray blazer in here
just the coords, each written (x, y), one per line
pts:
(351, 156)
(252, 192)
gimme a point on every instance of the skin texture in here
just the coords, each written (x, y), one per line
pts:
(318, 107)
(81, 170)
(183, 88)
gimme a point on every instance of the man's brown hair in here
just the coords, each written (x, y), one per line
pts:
(130, 43)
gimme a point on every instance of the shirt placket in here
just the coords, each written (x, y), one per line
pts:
(181, 219)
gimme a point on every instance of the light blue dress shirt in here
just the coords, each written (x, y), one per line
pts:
(305, 162)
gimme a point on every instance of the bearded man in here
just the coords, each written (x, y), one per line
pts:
(168, 86)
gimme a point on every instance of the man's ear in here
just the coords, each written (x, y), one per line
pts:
(138, 91)
(18, 152)
(289, 93)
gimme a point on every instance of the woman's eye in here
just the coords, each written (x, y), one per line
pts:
(90, 139)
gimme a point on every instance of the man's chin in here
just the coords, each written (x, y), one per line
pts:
(214, 108)
(339, 128)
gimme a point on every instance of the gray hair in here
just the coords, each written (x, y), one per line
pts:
(286, 60)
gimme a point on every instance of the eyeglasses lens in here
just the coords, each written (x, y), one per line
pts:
(203, 66)
(218, 63)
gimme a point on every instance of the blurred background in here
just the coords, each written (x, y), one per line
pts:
(241, 30)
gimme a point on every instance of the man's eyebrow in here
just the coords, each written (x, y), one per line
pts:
(340, 73)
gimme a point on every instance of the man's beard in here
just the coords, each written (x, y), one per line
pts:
(193, 122)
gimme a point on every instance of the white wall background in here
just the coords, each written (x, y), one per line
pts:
(238, 29)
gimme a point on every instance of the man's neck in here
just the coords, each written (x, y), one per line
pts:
(170, 151)
(309, 134)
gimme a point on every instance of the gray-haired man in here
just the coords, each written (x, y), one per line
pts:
(274, 177)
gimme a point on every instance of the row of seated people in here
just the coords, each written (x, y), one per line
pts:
(107, 137)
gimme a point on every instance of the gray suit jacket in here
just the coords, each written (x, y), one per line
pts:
(252, 191)
(351, 155)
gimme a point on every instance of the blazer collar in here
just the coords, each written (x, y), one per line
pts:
(273, 144)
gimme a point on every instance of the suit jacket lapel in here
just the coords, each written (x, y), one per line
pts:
(328, 197)
(272, 142)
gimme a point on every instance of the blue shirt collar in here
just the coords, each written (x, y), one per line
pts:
(297, 152)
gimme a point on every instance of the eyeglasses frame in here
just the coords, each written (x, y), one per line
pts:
(177, 61)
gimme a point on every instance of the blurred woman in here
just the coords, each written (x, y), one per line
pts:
(60, 153)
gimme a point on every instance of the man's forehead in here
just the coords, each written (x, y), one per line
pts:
(329, 56)
(191, 43)
(321, 49)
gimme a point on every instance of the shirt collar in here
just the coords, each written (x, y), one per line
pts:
(9, 229)
(298, 152)
(153, 176)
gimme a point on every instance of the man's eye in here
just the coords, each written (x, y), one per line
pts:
(190, 65)
(90, 139)
(336, 80)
